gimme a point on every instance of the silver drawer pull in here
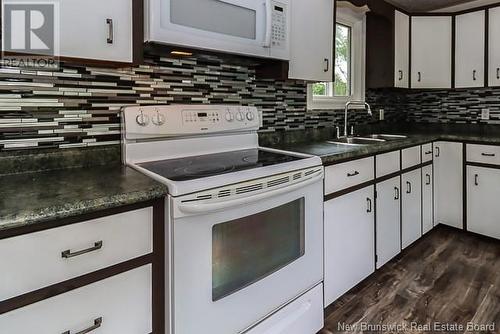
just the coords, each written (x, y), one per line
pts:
(476, 179)
(97, 324)
(428, 152)
(408, 187)
(400, 75)
(110, 38)
(353, 174)
(488, 154)
(498, 73)
(369, 205)
(68, 254)
(396, 193)
(428, 177)
(474, 75)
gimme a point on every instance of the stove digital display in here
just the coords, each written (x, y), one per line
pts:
(202, 114)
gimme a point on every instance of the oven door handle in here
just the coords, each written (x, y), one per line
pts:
(218, 206)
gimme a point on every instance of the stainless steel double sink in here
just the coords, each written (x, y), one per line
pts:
(367, 140)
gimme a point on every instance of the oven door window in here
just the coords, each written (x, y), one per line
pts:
(246, 250)
(233, 20)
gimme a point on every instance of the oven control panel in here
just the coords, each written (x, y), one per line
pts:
(183, 120)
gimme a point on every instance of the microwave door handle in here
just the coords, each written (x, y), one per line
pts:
(200, 208)
(269, 24)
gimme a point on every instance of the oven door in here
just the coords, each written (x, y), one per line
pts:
(235, 26)
(243, 259)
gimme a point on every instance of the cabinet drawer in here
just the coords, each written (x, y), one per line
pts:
(427, 153)
(303, 315)
(348, 174)
(36, 260)
(122, 303)
(410, 157)
(388, 163)
(485, 154)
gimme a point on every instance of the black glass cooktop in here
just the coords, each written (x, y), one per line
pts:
(190, 168)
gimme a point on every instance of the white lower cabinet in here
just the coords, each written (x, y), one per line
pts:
(448, 183)
(427, 199)
(119, 304)
(388, 222)
(411, 205)
(349, 242)
(483, 191)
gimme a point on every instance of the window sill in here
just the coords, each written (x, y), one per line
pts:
(332, 103)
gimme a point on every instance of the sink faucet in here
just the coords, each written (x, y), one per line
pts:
(357, 103)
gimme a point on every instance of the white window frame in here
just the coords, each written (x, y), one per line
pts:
(356, 20)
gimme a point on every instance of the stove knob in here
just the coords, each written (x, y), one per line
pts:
(158, 119)
(250, 116)
(229, 117)
(240, 117)
(142, 119)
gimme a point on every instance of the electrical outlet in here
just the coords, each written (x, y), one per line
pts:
(485, 114)
(381, 114)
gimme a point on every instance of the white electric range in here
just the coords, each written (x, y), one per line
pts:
(245, 223)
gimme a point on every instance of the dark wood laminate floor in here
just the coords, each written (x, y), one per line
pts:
(446, 280)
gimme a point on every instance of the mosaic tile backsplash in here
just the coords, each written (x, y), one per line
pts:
(78, 106)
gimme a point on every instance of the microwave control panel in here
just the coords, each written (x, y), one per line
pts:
(279, 26)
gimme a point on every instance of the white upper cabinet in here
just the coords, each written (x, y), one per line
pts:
(431, 38)
(311, 40)
(469, 52)
(96, 29)
(402, 49)
(494, 46)
(93, 29)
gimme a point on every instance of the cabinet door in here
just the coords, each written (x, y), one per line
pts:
(483, 190)
(388, 220)
(411, 207)
(311, 40)
(448, 184)
(494, 46)
(469, 52)
(427, 199)
(401, 49)
(349, 242)
(96, 29)
(431, 38)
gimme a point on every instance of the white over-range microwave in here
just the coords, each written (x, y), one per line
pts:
(258, 28)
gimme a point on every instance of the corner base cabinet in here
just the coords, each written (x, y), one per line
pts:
(448, 183)
(349, 241)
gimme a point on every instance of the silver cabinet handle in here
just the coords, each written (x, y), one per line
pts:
(428, 152)
(369, 205)
(428, 177)
(476, 179)
(353, 174)
(408, 187)
(438, 152)
(327, 63)
(419, 76)
(400, 75)
(396, 193)
(68, 254)
(488, 154)
(96, 325)
(109, 22)
(474, 75)
(498, 73)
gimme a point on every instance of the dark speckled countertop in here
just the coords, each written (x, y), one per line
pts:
(334, 153)
(41, 196)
